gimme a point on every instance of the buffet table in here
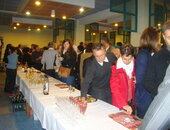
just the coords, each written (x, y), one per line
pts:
(53, 117)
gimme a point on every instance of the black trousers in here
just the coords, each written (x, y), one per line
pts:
(10, 80)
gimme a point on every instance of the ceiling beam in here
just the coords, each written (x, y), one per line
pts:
(31, 21)
(83, 3)
(99, 16)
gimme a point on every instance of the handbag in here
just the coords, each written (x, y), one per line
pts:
(64, 72)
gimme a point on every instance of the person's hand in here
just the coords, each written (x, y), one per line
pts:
(128, 109)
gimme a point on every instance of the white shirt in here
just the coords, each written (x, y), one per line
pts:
(105, 60)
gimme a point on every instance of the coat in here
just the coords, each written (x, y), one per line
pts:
(142, 96)
(119, 87)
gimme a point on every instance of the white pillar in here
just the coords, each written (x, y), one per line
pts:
(79, 33)
(143, 21)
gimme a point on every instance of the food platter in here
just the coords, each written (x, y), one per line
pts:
(91, 99)
(62, 85)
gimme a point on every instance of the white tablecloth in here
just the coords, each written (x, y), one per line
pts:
(52, 117)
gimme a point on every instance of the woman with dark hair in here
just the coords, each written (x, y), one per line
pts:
(7, 52)
(11, 71)
(68, 59)
(122, 81)
(149, 44)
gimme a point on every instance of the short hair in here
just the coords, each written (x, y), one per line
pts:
(97, 46)
(166, 26)
(106, 40)
(51, 44)
(13, 49)
(150, 39)
(127, 50)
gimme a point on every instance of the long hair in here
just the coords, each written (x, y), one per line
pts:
(150, 39)
(70, 49)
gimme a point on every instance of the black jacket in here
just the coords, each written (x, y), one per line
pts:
(156, 71)
(97, 77)
(69, 60)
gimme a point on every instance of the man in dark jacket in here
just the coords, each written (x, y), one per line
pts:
(97, 76)
(158, 64)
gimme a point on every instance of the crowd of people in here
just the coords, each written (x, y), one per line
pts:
(113, 74)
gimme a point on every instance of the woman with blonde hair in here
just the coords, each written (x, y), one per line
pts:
(149, 44)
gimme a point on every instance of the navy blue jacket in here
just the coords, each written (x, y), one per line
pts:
(142, 97)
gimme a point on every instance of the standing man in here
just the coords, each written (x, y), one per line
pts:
(109, 48)
(158, 64)
(20, 53)
(97, 77)
(49, 58)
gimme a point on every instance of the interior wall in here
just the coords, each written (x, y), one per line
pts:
(22, 36)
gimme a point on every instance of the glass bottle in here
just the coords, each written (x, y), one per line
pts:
(46, 85)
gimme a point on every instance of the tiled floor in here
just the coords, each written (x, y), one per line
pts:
(13, 120)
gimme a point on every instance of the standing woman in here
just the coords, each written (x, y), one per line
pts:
(149, 44)
(122, 80)
(68, 59)
(11, 71)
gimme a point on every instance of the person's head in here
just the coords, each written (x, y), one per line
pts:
(99, 52)
(89, 47)
(51, 45)
(119, 44)
(20, 46)
(127, 53)
(150, 39)
(105, 42)
(37, 48)
(67, 45)
(13, 50)
(166, 32)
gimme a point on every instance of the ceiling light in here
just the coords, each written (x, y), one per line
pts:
(52, 13)
(29, 29)
(64, 17)
(81, 10)
(87, 30)
(18, 24)
(45, 26)
(38, 29)
(105, 31)
(37, 3)
(15, 27)
(116, 24)
(93, 34)
(27, 13)
(159, 24)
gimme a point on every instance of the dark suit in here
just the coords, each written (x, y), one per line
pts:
(97, 77)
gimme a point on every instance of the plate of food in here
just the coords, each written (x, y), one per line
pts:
(62, 85)
(91, 99)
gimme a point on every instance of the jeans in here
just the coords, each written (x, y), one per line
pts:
(69, 80)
